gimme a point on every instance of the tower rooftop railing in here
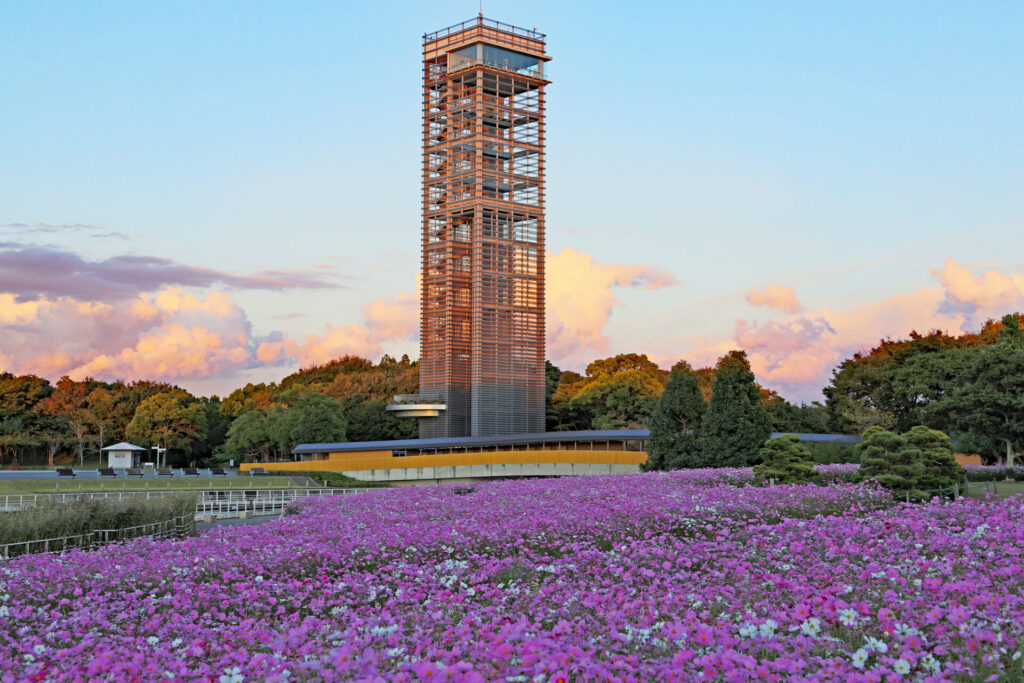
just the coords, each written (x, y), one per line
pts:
(485, 22)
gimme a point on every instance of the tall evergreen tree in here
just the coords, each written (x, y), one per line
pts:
(735, 425)
(676, 419)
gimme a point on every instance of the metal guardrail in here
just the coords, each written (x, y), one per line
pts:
(175, 527)
(207, 501)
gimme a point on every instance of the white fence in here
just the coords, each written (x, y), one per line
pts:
(174, 527)
(208, 501)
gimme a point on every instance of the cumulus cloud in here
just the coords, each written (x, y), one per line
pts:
(34, 271)
(797, 353)
(977, 297)
(580, 300)
(775, 296)
(391, 319)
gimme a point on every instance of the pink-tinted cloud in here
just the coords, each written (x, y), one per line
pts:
(580, 300)
(393, 319)
(796, 354)
(30, 272)
(975, 296)
(775, 296)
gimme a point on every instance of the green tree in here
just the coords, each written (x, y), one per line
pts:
(317, 419)
(787, 460)
(217, 425)
(170, 420)
(886, 458)
(673, 442)
(249, 438)
(620, 400)
(371, 421)
(735, 424)
(910, 464)
(939, 467)
(989, 398)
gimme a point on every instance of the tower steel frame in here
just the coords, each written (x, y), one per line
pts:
(482, 287)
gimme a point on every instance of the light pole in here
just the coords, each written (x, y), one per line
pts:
(158, 452)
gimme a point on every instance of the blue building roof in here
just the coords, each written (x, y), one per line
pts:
(516, 439)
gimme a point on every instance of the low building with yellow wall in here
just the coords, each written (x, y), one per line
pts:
(470, 458)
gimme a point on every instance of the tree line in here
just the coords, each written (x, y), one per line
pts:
(970, 386)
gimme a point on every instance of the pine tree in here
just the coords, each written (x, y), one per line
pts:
(676, 419)
(786, 460)
(913, 464)
(735, 425)
(939, 467)
(886, 458)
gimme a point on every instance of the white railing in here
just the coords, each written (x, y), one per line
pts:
(175, 527)
(206, 501)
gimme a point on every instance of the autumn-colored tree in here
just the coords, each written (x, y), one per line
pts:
(250, 397)
(70, 400)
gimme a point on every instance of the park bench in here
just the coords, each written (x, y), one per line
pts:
(164, 472)
(218, 472)
(134, 472)
(65, 472)
(257, 471)
(191, 472)
(107, 472)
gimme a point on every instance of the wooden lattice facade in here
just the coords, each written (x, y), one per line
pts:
(482, 296)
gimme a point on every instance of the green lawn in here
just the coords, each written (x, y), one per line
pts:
(978, 489)
(16, 486)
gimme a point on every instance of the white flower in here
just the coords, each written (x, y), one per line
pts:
(876, 645)
(929, 662)
(860, 658)
(811, 627)
(232, 675)
(748, 631)
(176, 642)
(259, 578)
(152, 640)
(848, 617)
(29, 659)
(767, 629)
(901, 666)
(40, 649)
(905, 630)
(4, 612)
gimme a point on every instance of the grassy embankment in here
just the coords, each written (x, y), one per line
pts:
(1003, 489)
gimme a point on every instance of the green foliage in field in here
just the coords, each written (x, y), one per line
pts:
(786, 460)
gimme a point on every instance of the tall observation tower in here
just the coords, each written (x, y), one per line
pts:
(482, 296)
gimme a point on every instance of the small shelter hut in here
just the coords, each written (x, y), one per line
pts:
(124, 455)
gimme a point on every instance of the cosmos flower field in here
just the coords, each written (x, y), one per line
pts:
(672, 576)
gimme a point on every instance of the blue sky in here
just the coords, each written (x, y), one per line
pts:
(844, 150)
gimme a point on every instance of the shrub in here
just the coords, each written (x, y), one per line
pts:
(833, 453)
(786, 460)
(913, 464)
